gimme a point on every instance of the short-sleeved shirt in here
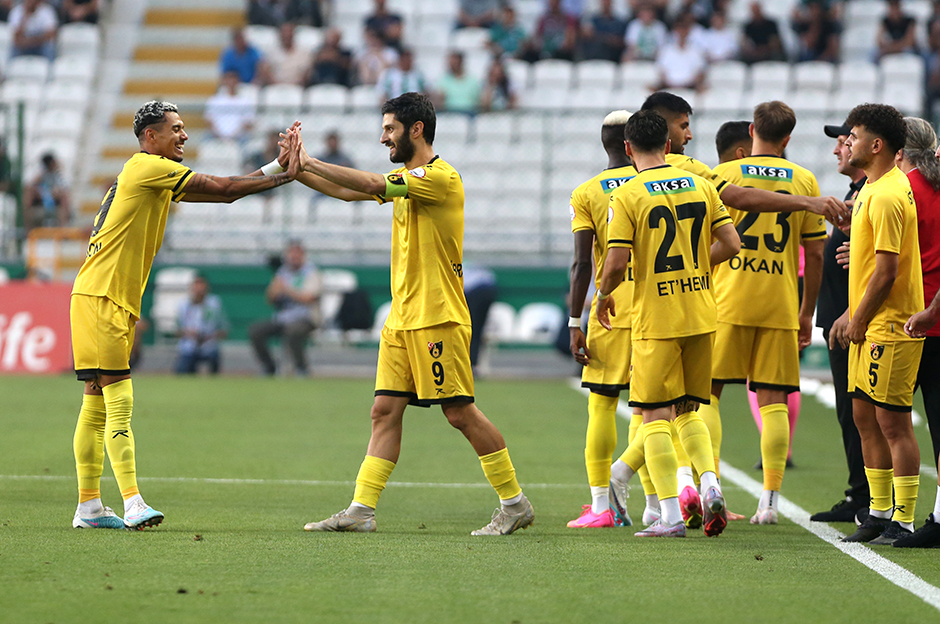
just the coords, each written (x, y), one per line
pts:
(690, 165)
(884, 219)
(761, 32)
(928, 235)
(666, 216)
(427, 247)
(128, 230)
(759, 286)
(244, 63)
(590, 210)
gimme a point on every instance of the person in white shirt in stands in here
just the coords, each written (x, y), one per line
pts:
(288, 63)
(230, 115)
(719, 41)
(681, 64)
(33, 24)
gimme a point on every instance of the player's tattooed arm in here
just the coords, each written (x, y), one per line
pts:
(202, 187)
(685, 406)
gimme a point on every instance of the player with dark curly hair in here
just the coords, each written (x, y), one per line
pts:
(885, 288)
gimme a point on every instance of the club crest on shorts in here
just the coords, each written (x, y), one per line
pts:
(436, 348)
(877, 351)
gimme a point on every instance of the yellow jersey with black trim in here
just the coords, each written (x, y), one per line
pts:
(427, 246)
(690, 165)
(759, 287)
(884, 219)
(590, 210)
(128, 230)
(666, 215)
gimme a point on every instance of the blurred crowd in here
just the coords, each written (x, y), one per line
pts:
(34, 24)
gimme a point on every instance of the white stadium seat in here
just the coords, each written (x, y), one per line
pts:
(817, 76)
(727, 76)
(265, 38)
(78, 39)
(597, 74)
(552, 74)
(326, 96)
(638, 75)
(34, 68)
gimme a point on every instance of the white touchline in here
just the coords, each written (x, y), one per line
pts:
(903, 578)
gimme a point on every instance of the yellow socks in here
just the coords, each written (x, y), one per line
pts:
(118, 437)
(502, 476)
(601, 438)
(879, 484)
(636, 457)
(774, 444)
(905, 498)
(88, 444)
(661, 458)
(712, 417)
(694, 438)
(373, 475)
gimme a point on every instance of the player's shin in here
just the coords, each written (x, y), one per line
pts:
(88, 444)
(374, 473)
(774, 444)
(601, 440)
(119, 438)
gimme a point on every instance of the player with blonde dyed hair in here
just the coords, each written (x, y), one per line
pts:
(605, 356)
(105, 304)
(668, 217)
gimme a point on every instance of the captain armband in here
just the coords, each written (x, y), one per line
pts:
(395, 185)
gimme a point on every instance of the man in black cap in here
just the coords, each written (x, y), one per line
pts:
(833, 301)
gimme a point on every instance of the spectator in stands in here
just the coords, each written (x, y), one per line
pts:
(700, 10)
(288, 63)
(332, 64)
(200, 324)
(277, 12)
(333, 154)
(556, 34)
(459, 91)
(294, 292)
(477, 13)
(5, 7)
(934, 16)
(241, 57)
(933, 71)
(602, 35)
(374, 59)
(898, 31)
(719, 41)
(506, 35)
(388, 26)
(761, 41)
(681, 64)
(80, 11)
(498, 93)
(34, 25)
(404, 77)
(645, 35)
(257, 159)
(46, 199)
(229, 113)
(818, 31)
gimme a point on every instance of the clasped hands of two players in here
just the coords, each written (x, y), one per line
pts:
(292, 151)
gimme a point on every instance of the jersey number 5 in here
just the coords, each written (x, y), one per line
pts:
(691, 210)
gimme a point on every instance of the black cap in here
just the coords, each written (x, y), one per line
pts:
(836, 131)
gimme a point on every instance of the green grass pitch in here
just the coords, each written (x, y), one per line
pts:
(240, 464)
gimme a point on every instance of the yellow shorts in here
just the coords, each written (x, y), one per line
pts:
(884, 373)
(102, 337)
(608, 370)
(665, 372)
(768, 358)
(429, 366)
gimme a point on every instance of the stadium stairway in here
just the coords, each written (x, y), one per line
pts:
(167, 49)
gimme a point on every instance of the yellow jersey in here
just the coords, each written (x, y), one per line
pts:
(128, 230)
(884, 218)
(666, 216)
(590, 210)
(427, 246)
(690, 165)
(759, 287)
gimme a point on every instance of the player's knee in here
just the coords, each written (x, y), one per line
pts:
(461, 415)
(896, 427)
